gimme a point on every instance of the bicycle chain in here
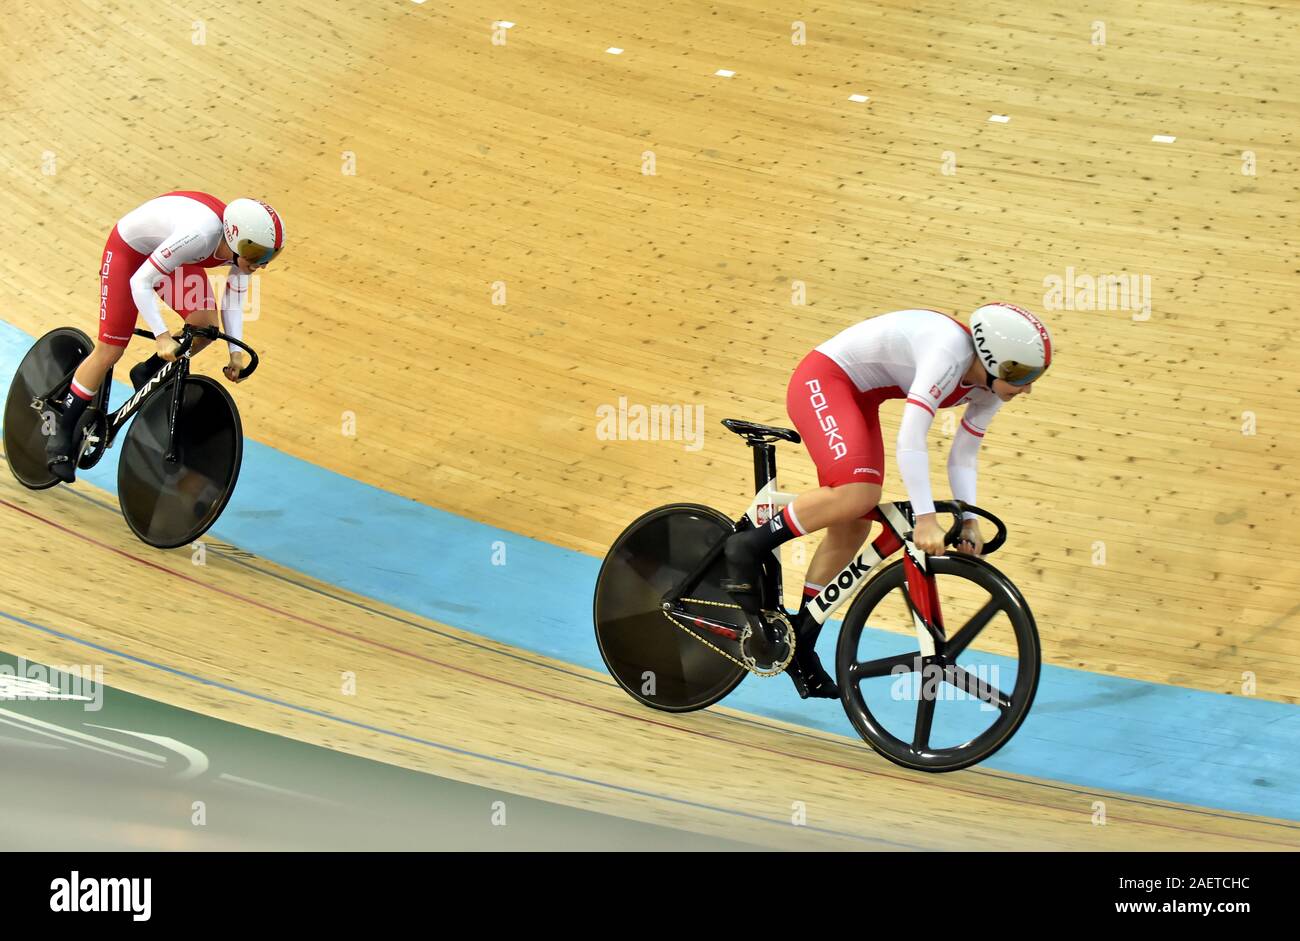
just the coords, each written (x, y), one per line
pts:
(748, 667)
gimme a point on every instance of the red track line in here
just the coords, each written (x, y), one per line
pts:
(588, 705)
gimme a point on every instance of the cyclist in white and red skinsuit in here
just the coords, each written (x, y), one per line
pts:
(834, 397)
(160, 250)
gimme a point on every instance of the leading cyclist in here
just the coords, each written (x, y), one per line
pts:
(932, 361)
(162, 248)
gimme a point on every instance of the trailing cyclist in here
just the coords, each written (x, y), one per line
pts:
(161, 249)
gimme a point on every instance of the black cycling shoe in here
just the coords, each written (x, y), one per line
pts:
(810, 679)
(744, 592)
(741, 579)
(61, 455)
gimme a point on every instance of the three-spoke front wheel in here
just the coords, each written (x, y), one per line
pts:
(958, 705)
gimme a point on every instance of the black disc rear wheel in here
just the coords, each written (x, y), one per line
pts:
(171, 504)
(51, 360)
(652, 657)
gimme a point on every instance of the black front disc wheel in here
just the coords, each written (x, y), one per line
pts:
(171, 504)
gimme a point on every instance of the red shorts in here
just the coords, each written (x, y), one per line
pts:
(185, 290)
(840, 426)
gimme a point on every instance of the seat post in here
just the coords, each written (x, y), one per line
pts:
(764, 462)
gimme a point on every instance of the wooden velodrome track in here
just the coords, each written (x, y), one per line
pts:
(521, 164)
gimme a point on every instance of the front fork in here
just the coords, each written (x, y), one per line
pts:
(174, 407)
(919, 589)
(922, 594)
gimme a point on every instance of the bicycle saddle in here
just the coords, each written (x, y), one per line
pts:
(753, 431)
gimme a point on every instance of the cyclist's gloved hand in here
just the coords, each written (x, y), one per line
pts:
(928, 535)
(232, 369)
(971, 541)
(167, 347)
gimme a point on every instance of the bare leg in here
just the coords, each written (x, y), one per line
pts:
(202, 318)
(199, 318)
(839, 545)
(842, 539)
(90, 374)
(61, 448)
(838, 510)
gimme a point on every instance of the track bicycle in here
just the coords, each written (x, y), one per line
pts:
(922, 694)
(180, 457)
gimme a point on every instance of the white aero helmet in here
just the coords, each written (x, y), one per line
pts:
(1012, 343)
(253, 230)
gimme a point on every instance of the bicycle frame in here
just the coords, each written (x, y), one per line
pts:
(897, 522)
(173, 372)
(176, 370)
(114, 421)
